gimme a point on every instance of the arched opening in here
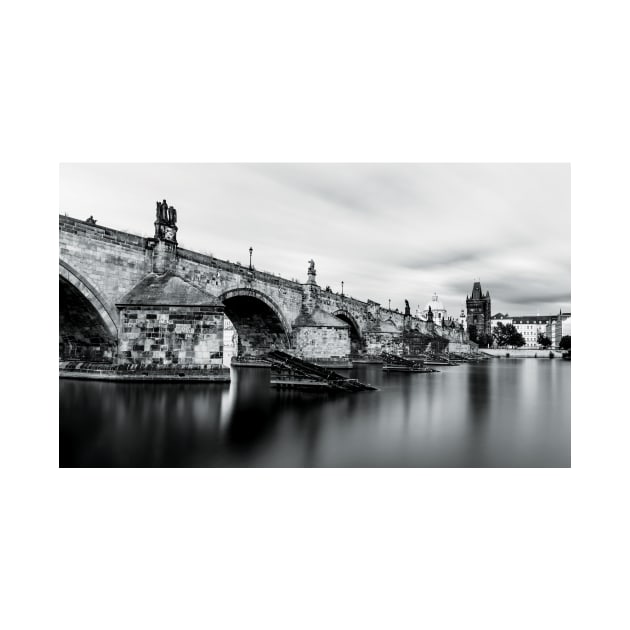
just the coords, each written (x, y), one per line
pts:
(356, 341)
(84, 334)
(259, 326)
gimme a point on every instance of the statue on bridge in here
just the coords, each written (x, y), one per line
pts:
(165, 213)
(407, 309)
(165, 221)
(430, 315)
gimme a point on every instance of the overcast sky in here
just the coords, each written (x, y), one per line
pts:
(389, 231)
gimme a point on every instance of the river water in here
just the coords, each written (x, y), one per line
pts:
(504, 412)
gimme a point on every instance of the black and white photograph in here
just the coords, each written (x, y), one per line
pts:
(327, 315)
(317, 270)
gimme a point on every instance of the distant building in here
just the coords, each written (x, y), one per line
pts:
(500, 318)
(462, 319)
(437, 308)
(530, 326)
(478, 314)
(558, 326)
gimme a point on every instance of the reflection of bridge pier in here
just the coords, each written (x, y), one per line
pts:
(149, 303)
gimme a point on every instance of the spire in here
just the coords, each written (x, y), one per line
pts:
(476, 292)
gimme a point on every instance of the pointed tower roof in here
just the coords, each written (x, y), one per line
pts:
(476, 292)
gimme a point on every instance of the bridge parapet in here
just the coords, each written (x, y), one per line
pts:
(211, 262)
(111, 260)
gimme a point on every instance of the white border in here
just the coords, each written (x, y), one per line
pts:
(342, 81)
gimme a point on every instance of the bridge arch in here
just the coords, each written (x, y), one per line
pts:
(356, 335)
(88, 325)
(260, 324)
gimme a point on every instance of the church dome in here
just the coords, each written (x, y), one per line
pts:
(435, 304)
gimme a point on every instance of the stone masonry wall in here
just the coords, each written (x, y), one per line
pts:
(217, 276)
(162, 335)
(377, 342)
(322, 342)
(111, 260)
(462, 348)
(256, 336)
(82, 334)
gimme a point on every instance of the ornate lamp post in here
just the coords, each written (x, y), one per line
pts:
(390, 304)
(250, 258)
(342, 288)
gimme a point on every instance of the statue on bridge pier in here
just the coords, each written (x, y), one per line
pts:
(311, 272)
(407, 309)
(164, 213)
(165, 221)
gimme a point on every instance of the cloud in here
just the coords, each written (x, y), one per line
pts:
(444, 258)
(390, 231)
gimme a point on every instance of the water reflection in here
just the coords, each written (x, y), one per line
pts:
(250, 416)
(502, 413)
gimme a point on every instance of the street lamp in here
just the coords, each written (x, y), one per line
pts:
(250, 258)
(390, 304)
(342, 288)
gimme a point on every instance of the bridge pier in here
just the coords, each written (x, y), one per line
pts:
(383, 336)
(167, 322)
(318, 335)
(321, 336)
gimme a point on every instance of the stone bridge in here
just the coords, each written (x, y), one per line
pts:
(147, 301)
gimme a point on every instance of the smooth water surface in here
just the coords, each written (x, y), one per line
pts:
(504, 412)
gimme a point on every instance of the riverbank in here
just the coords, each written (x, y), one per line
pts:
(85, 370)
(520, 353)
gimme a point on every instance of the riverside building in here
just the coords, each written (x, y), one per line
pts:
(557, 327)
(530, 326)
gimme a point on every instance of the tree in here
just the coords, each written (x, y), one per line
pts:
(507, 335)
(544, 341)
(484, 340)
(565, 343)
(514, 337)
(472, 333)
(499, 334)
